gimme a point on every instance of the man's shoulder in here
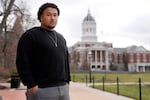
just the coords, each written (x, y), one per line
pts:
(58, 34)
(33, 29)
(29, 32)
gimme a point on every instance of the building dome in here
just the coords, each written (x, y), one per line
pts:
(89, 29)
(89, 18)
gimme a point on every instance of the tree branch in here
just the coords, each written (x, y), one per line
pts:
(6, 14)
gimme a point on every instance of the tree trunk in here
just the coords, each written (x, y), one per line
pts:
(6, 14)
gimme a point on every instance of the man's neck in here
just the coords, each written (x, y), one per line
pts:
(47, 28)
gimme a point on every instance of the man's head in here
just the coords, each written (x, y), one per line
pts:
(48, 15)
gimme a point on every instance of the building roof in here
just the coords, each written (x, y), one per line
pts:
(132, 48)
(89, 17)
(136, 48)
(119, 50)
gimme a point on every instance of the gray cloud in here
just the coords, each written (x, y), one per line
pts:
(140, 24)
(139, 30)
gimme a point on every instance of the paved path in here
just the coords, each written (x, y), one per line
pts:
(78, 91)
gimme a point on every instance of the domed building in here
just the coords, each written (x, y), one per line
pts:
(89, 29)
(91, 55)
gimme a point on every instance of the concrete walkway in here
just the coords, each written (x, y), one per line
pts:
(78, 91)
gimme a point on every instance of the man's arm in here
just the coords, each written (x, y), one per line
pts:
(23, 60)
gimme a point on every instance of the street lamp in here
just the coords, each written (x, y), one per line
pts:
(90, 56)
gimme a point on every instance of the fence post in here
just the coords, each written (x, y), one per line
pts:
(73, 78)
(93, 81)
(86, 80)
(103, 83)
(140, 90)
(117, 86)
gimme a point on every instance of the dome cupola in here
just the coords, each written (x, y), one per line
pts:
(89, 29)
(89, 18)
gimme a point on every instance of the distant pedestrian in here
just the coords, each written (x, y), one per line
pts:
(42, 58)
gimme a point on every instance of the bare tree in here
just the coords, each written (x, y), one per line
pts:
(11, 28)
(7, 6)
(12, 41)
(6, 9)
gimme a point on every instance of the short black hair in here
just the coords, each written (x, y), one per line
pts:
(46, 5)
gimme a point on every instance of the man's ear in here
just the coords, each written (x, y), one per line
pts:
(41, 19)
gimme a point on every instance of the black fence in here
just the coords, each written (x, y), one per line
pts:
(117, 89)
(93, 82)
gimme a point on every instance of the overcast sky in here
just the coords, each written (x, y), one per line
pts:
(121, 22)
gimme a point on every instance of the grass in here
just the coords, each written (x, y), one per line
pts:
(131, 91)
(145, 77)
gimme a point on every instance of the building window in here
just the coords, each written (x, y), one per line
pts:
(87, 45)
(98, 56)
(93, 67)
(98, 66)
(90, 29)
(93, 56)
(103, 56)
(147, 58)
(134, 58)
(128, 57)
(113, 57)
(104, 67)
(87, 30)
(78, 56)
(118, 59)
(141, 58)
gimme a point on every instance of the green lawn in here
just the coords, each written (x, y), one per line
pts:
(131, 91)
(145, 77)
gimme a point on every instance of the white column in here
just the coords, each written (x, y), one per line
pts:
(143, 68)
(106, 60)
(137, 68)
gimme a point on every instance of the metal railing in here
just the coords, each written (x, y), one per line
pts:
(104, 83)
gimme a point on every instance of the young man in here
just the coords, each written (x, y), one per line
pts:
(42, 58)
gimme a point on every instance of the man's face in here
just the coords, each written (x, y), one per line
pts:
(49, 18)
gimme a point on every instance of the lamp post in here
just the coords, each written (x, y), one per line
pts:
(89, 57)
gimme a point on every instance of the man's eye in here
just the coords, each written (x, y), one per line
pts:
(55, 15)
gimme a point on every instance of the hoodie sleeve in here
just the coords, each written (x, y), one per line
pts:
(68, 67)
(23, 60)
